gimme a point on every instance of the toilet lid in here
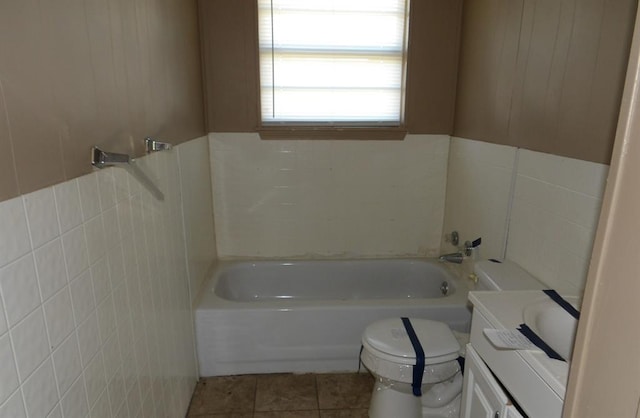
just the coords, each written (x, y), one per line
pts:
(389, 336)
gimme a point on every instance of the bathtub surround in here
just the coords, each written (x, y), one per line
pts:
(536, 209)
(554, 216)
(479, 180)
(328, 198)
(95, 307)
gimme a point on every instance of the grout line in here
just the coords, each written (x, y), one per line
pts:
(512, 190)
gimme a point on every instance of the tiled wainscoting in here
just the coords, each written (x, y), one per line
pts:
(306, 198)
(95, 307)
(539, 210)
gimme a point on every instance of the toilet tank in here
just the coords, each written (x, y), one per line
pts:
(504, 275)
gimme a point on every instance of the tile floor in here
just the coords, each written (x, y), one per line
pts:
(343, 395)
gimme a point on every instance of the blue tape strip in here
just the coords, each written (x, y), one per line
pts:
(563, 303)
(418, 368)
(534, 338)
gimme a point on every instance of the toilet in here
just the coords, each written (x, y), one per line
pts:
(389, 354)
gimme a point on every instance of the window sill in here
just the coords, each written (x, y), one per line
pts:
(328, 133)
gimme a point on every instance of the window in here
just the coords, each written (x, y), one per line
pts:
(333, 62)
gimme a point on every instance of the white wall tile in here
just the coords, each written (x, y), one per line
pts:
(134, 403)
(123, 411)
(101, 280)
(8, 373)
(19, 286)
(478, 189)
(52, 306)
(66, 362)
(68, 205)
(121, 183)
(58, 314)
(74, 402)
(112, 359)
(116, 389)
(75, 251)
(106, 319)
(579, 176)
(89, 338)
(115, 261)
(94, 377)
(197, 204)
(14, 233)
(101, 407)
(30, 343)
(50, 265)
(106, 188)
(89, 196)
(82, 297)
(57, 412)
(554, 218)
(40, 394)
(14, 407)
(328, 198)
(111, 228)
(42, 216)
(94, 231)
(3, 320)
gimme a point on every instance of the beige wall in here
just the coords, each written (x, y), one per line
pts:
(544, 75)
(79, 73)
(230, 63)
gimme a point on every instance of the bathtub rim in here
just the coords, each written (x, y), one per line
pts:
(207, 299)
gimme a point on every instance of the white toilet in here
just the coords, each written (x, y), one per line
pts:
(389, 354)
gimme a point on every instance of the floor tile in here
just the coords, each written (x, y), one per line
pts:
(286, 392)
(222, 395)
(287, 414)
(344, 391)
(344, 413)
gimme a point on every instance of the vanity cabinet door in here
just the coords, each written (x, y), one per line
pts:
(482, 396)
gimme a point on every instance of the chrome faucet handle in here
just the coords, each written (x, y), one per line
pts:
(469, 246)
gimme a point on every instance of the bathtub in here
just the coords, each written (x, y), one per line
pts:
(307, 316)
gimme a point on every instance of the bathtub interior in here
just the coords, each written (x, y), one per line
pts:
(335, 280)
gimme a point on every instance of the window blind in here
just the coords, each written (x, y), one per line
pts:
(332, 61)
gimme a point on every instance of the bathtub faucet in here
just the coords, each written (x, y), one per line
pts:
(456, 258)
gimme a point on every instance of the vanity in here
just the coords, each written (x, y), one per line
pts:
(516, 383)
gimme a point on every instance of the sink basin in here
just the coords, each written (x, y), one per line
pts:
(553, 324)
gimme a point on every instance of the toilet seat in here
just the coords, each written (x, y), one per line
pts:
(388, 352)
(388, 339)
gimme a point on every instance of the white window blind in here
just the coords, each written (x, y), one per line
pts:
(332, 61)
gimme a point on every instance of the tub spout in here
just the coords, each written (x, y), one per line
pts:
(456, 258)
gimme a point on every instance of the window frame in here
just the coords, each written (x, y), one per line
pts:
(274, 130)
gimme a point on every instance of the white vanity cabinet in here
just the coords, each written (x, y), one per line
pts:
(533, 381)
(482, 396)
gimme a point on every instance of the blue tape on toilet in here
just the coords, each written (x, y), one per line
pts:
(418, 368)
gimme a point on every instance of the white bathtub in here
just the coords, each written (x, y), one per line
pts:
(307, 316)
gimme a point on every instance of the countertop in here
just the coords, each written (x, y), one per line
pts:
(504, 310)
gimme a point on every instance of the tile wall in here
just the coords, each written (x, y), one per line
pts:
(544, 217)
(478, 185)
(328, 198)
(95, 306)
(554, 216)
